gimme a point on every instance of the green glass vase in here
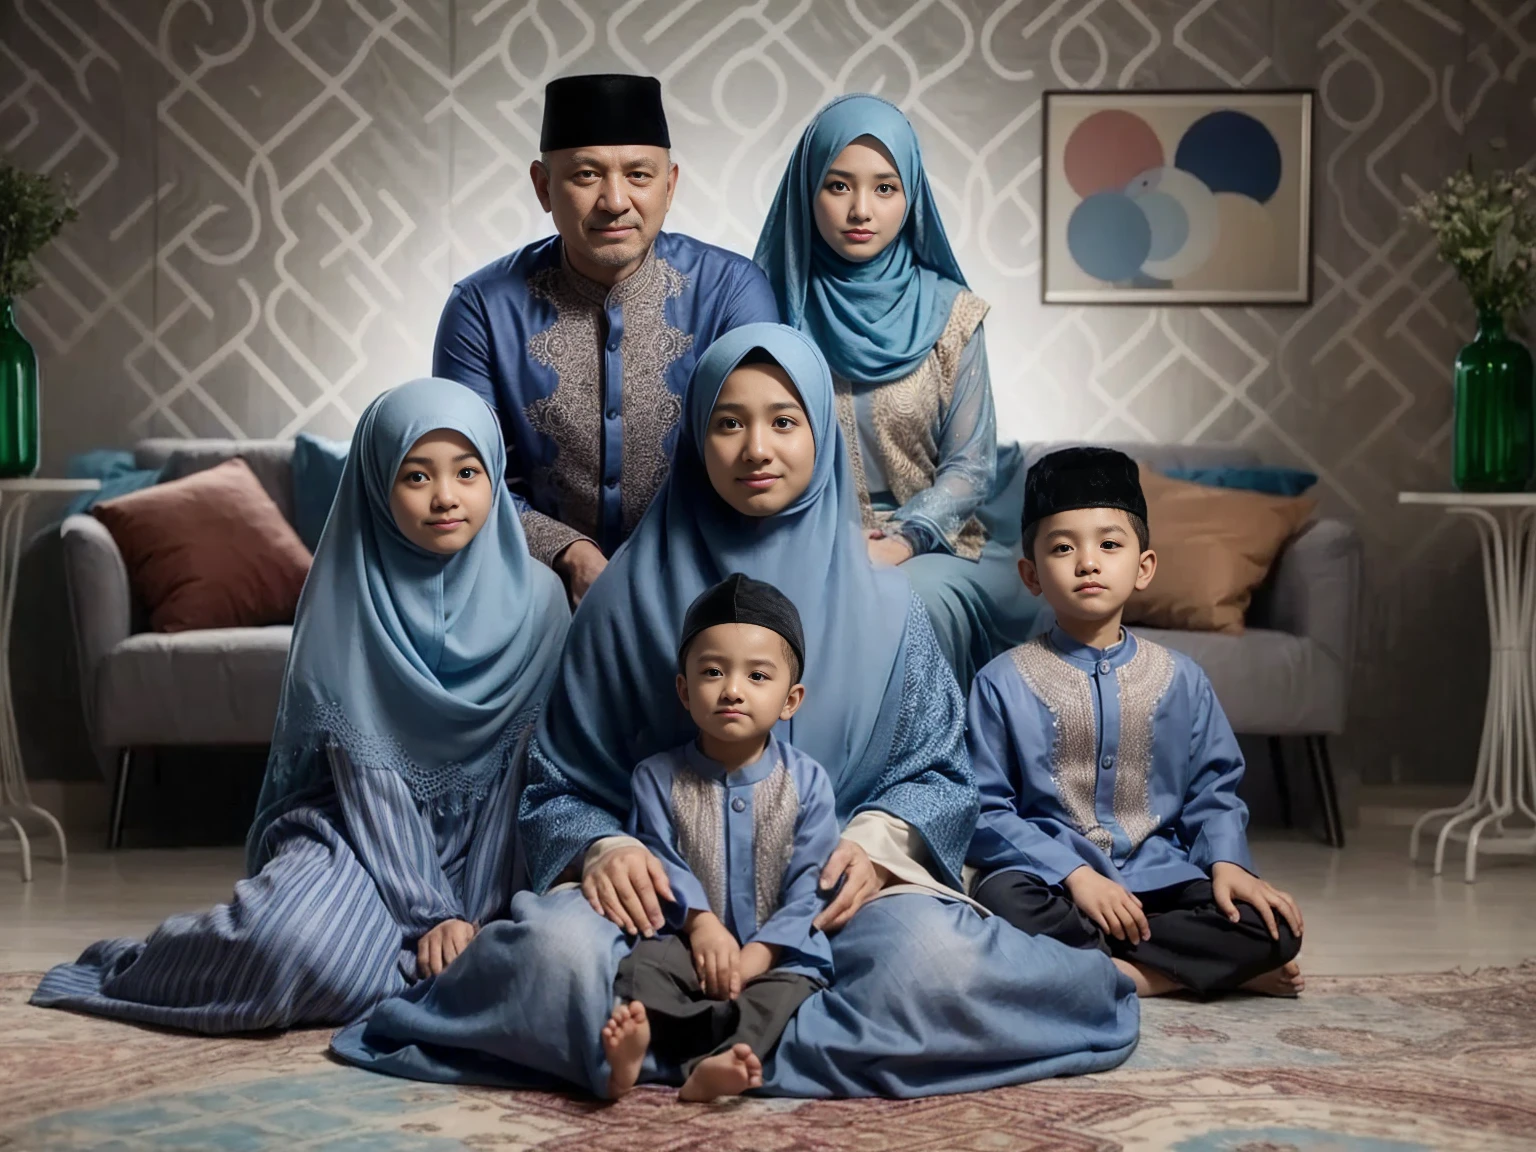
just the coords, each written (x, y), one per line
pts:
(1495, 424)
(20, 429)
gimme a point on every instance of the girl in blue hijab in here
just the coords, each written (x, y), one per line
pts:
(425, 641)
(858, 258)
(929, 995)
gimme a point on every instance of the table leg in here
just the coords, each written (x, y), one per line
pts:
(15, 796)
(26, 848)
(1505, 780)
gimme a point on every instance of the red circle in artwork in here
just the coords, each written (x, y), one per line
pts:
(1107, 149)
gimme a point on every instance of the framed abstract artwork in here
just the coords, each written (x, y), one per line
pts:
(1176, 197)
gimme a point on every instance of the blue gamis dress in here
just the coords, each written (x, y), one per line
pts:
(930, 996)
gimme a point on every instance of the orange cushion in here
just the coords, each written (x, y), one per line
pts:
(210, 550)
(1214, 547)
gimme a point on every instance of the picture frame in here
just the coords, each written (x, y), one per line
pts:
(1177, 196)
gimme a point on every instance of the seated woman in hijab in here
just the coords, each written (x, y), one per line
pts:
(930, 995)
(426, 639)
(859, 261)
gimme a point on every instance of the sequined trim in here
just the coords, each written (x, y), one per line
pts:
(906, 413)
(651, 409)
(572, 415)
(775, 809)
(1143, 683)
(698, 811)
(1068, 693)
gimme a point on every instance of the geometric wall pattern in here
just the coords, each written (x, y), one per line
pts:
(275, 197)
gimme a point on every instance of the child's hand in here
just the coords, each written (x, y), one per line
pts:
(441, 946)
(716, 956)
(755, 960)
(1232, 883)
(1108, 905)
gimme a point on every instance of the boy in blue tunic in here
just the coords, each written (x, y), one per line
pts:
(1108, 773)
(743, 824)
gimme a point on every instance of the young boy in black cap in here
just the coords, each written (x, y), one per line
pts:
(1108, 773)
(743, 824)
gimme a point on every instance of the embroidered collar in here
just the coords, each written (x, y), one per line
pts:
(636, 284)
(747, 774)
(1085, 656)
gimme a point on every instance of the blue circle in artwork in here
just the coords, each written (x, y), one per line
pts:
(1231, 152)
(1109, 236)
(1168, 221)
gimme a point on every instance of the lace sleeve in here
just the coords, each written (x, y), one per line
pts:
(928, 780)
(555, 822)
(967, 442)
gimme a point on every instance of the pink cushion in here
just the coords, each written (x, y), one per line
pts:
(210, 550)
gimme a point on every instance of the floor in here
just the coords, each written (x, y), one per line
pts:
(1368, 911)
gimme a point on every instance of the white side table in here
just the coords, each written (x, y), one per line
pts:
(15, 797)
(1503, 796)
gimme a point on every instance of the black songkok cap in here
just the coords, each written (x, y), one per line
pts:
(739, 599)
(1082, 478)
(591, 111)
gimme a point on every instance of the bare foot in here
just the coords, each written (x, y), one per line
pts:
(1286, 980)
(626, 1038)
(1148, 982)
(726, 1074)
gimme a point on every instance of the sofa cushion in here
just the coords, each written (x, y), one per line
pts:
(317, 468)
(116, 472)
(1274, 480)
(1268, 683)
(212, 686)
(1214, 547)
(210, 550)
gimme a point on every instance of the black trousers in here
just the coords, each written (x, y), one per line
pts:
(686, 1025)
(1193, 943)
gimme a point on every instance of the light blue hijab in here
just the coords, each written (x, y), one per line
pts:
(876, 321)
(430, 665)
(615, 702)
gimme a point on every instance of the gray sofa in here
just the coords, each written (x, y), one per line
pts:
(1288, 675)
(144, 689)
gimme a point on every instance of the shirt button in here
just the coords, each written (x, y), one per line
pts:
(613, 413)
(613, 483)
(1109, 762)
(1104, 667)
(738, 805)
(613, 345)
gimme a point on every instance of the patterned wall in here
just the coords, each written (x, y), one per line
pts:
(277, 195)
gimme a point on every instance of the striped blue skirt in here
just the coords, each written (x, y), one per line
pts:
(307, 940)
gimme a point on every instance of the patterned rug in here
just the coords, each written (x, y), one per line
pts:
(1376, 1064)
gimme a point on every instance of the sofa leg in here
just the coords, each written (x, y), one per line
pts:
(120, 798)
(1282, 783)
(1327, 796)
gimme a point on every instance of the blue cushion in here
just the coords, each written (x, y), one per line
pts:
(317, 465)
(1273, 481)
(116, 471)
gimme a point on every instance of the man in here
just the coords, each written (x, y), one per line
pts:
(583, 342)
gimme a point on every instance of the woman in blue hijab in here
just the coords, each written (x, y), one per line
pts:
(929, 995)
(425, 642)
(859, 261)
